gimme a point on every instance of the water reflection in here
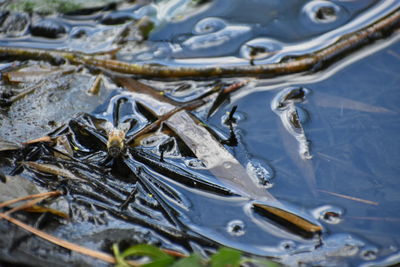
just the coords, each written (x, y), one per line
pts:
(350, 118)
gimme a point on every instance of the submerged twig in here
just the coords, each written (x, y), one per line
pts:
(349, 197)
(313, 61)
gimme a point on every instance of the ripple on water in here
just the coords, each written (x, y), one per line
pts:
(329, 214)
(324, 15)
(236, 228)
(209, 25)
(260, 48)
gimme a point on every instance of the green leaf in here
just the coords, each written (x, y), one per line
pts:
(145, 250)
(226, 257)
(192, 261)
(119, 259)
(164, 262)
(261, 262)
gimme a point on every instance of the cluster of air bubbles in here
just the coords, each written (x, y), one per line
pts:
(209, 25)
(260, 172)
(260, 48)
(329, 214)
(236, 228)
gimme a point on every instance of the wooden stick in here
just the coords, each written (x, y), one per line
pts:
(313, 61)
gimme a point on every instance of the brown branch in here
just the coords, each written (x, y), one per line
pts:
(313, 61)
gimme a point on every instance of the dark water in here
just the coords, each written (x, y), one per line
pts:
(349, 123)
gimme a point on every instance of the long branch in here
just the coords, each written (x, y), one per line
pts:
(313, 61)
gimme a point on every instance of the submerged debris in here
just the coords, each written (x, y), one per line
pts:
(292, 116)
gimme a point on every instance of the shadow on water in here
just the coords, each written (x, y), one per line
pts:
(316, 154)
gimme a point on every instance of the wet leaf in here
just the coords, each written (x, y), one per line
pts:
(226, 257)
(202, 143)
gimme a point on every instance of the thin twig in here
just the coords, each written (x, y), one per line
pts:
(313, 61)
(46, 194)
(350, 197)
(63, 243)
(28, 204)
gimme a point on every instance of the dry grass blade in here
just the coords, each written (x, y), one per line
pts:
(27, 205)
(52, 239)
(46, 194)
(349, 197)
(31, 205)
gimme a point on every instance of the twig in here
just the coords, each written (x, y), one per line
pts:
(46, 194)
(350, 197)
(313, 61)
(28, 204)
(63, 243)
